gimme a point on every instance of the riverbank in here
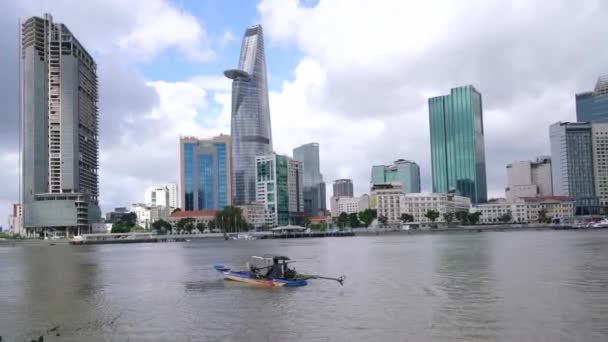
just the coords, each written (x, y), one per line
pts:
(468, 229)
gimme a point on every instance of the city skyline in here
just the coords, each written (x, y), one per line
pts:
(146, 87)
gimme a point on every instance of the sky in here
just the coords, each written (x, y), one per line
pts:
(352, 75)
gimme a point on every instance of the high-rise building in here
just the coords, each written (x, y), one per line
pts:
(529, 179)
(314, 186)
(250, 123)
(572, 159)
(205, 173)
(592, 106)
(280, 188)
(404, 172)
(173, 194)
(59, 121)
(457, 143)
(343, 188)
(600, 161)
(162, 195)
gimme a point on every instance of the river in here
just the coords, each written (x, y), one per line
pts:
(510, 286)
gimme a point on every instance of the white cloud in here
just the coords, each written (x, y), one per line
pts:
(376, 63)
(158, 25)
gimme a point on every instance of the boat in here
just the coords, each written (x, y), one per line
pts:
(270, 271)
(600, 224)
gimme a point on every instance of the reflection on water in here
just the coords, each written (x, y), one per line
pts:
(475, 287)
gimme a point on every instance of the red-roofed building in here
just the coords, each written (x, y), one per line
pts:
(203, 216)
(319, 219)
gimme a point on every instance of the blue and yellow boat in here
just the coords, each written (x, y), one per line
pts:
(270, 271)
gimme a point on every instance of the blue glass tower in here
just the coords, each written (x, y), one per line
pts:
(205, 173)
(250, 121)
(457, 147)
(592, 106)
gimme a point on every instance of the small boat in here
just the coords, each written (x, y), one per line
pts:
(601, 224)
(270, 271)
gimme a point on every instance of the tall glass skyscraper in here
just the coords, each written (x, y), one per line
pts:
(404, 172)
(250, 124)
(314, 187)
(205, 173)
(592, 106)
(59, 127)
(457, 144)
(573, 165)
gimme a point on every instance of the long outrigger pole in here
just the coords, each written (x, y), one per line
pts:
(312, 276)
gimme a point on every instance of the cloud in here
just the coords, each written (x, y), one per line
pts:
(378, 62)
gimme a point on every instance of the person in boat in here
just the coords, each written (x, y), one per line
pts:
(275, 270)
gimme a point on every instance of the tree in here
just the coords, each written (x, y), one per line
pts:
(342, 219)
(432, 215)
(212, 225)
(367, 216)
(161, 225)
(448, 217)
(542, 216)
(474, 217)
(407, 218)
(506, 217)
(185, 224)
(353, 220)
(383, 219)
(230, 219)
(200, 227)
(120, 228)
(462, 216)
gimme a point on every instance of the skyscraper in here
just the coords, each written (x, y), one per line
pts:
(205, 173)
(457, 143)
(343, 188)
(250, 123)
(59, 121)
(600, 161)
(529, 179)
(592, 106)
(314, 187)
(279, 188)
(572, 159)
(404, 172)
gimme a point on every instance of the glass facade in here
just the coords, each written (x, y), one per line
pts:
(205, 173)
(592, 106)
(572, 164)
(314, 187)
(188, 173)
(250, 120)
(457, 143)
(404, 172)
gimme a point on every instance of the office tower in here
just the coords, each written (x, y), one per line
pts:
(592, 106)
(343, 188)
(280, 189)
(162, 195)
(59, 121)
(572, 159)
(205, 173)
(457, 143)
(404, 172)
(314, 187)
(173, 194)
(600, 161)
(529, 179)
(250, 123)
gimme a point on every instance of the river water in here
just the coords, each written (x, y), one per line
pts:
(511, 286)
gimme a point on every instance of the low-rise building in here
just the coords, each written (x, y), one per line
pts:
(526, 210)
(349, 205)
(255, 214)
(386, 199)
(203, 216)
(418, 205)
(116, 215)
